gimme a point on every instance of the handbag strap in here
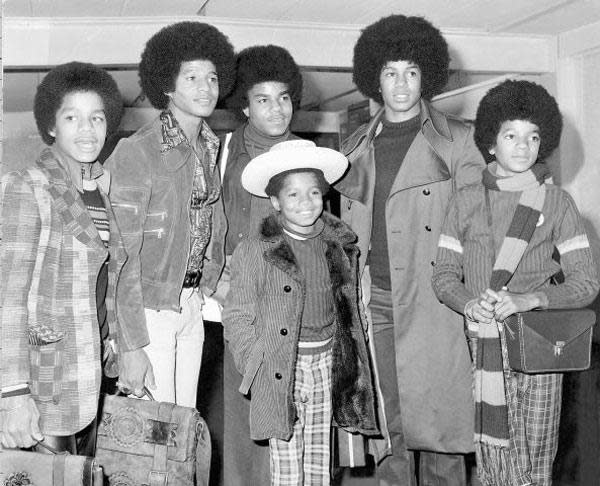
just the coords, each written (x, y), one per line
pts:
(58, 469)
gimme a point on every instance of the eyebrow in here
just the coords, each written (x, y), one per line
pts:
(265, 95)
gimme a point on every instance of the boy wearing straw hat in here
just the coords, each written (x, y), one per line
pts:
(291, 316)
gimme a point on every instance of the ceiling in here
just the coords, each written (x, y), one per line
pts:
(324, 90)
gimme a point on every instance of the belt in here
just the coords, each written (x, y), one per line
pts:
(192, 279)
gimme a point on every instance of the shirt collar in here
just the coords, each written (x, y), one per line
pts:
(73, 169)
(173, 135)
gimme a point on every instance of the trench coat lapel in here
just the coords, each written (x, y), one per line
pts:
(424, 161)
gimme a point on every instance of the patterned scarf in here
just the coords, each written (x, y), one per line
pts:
(206, 186)
(492, 432)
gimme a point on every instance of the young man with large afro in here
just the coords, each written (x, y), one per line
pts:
(267, 90)
(517, 127)
(166, 193)
(405, 165)
(56, 211)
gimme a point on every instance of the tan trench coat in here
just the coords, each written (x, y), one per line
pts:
(432, 357)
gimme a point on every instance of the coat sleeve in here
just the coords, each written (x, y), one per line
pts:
(129, 196)
(21, 226)
(580, 285)
(240, 310)
(468, 163)
(447, 279)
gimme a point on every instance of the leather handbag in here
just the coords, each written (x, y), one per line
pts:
(550, 341)
(21, 468)
(152, 443)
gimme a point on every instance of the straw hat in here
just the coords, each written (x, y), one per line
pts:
(290, 155)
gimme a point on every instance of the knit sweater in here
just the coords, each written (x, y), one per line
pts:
(464, 250)
(318, 315)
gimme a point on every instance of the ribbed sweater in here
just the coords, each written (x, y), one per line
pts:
(464, 250)
(318, 316)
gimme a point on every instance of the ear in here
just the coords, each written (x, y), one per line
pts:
(52, 132)
(246, 111)
(492, 150)
(275, 203)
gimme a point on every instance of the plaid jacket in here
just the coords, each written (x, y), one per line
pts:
(50, 257)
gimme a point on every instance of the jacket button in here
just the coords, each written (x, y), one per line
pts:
(432, 263)
(426, 192)
(287, 288)
(427, 228)
(283, 332)
(278, 376)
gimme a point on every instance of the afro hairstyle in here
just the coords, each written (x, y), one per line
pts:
(69, 78)
(400, 38)
(183, 42)
(258, 64)
(517, 100)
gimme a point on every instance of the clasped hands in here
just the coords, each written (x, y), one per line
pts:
(500, 304)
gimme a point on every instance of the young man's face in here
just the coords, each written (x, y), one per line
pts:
(80, 127)
(196, 91)
(400, 84)
(300, 201)
(269, 108)
(517, 146)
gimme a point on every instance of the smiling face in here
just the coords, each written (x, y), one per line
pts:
(400, 84)
(517, 146)
(269, 108)
(196, 91)
(300, 201)
(80, 127)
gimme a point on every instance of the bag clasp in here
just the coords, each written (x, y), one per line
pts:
(558, 347)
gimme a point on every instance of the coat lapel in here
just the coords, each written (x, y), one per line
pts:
(68, 202)
(424, 161)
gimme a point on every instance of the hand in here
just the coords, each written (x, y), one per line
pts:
(19, 422)
(481, 309)
(511, 303)
(135, 372)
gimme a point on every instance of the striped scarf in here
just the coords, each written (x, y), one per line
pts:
(492, 432)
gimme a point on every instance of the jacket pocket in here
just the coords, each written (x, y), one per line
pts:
(46, 371)
(253, 364)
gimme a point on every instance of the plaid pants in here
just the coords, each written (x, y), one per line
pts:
(534, 409)
(304, 459)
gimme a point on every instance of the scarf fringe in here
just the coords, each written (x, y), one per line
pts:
(493, 465)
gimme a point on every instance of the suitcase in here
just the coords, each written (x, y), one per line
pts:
(152, 443)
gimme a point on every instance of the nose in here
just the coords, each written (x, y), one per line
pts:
(85, 124)
(401, 80)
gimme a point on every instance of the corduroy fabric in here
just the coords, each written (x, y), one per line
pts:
(262, 318)
(464, 253)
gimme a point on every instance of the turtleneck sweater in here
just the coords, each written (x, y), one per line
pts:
(391, 146)
(318, 315)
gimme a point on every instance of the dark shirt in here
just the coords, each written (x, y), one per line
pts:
(391, 146)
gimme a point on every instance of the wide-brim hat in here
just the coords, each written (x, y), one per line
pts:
(292, 155)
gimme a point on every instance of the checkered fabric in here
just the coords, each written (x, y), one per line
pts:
(534, 410)
(304, 458)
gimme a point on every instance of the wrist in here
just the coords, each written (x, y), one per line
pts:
(540, 300)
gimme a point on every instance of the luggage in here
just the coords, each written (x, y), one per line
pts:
(21, 468)
(152, 443)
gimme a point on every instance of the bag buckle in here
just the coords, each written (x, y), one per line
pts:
(558, 347)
